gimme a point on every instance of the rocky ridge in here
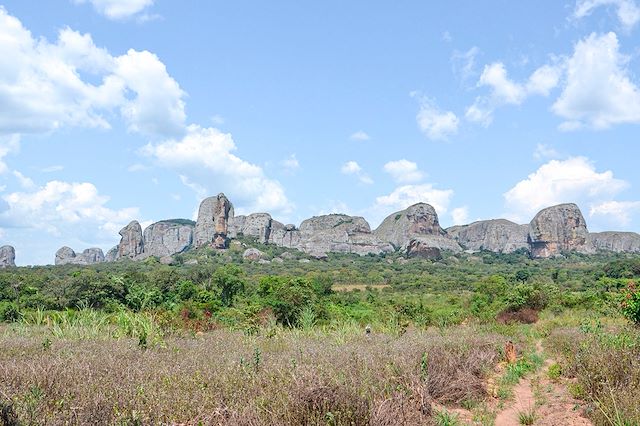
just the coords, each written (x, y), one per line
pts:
(415, 231)
(7, 257)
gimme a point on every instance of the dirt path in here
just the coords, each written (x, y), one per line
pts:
(548, 400)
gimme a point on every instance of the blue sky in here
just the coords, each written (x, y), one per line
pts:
(113, 110)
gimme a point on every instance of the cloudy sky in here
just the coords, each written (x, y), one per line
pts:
(113, 110)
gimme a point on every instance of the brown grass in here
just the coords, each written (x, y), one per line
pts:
(223, 377)
(605, 367)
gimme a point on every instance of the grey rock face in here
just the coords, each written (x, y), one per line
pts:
(66, 256)
(434, 241)
(320, 235)
(417, 248)
(284, 235)
(252, 254)
(619, 242)
(112, 254)
(166, 238)
(496, 235)
(417, 222)
(213, 221)
(559, 228)
(7, 257)
(400, 227)
(132, 243)
(256, 225)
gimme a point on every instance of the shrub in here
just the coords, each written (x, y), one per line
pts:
(631, 303)
(9, 311)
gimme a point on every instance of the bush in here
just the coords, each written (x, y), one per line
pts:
(9, 311)
(631, 303)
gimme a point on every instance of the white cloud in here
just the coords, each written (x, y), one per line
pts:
(555, 182)
(545, 152)
(505, 91)
(53, 168)
(24, 181)
(43, 87)
(627, 10)
(404, 171)
(460, 215)
(137, 168)
(118, 9)
(598, 90)
(290, 164)
(205, 156)
(464, 63)
(353, 168)
(620, 211)
(434, 123)
(63, 208)
(359, 136)
(8, 145)
(407, 195)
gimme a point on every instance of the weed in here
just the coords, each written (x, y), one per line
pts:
(526, 417)
(445, 418)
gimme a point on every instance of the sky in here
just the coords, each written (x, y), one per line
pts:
(114, 110)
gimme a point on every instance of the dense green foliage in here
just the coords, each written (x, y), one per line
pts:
(206, 288)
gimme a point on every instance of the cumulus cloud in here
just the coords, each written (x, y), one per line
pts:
(359, 136)
(42, 88)
(620, 211)
(118, 9)
(545, 152)
(598, 90)
(290, 164)
(464, 64)
(404, 171)
(627, 11)
(505, 91)
(435, 123)
(572, 180)
(8, 145)
(205, 156)
(353, 168)
(460, 215)
(63, 208)
(407, 195)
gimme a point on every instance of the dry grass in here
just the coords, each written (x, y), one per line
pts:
(605, 365)
(224, 377)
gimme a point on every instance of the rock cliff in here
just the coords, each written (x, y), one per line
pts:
(341, 233)
(7, 257)
(167, 237)
(67, 256)
(557, 229)
(214, 216)
(619, 242)
(496, 235)
(418, 222)
(131, 242)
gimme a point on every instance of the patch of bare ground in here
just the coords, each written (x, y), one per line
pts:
(539, 400)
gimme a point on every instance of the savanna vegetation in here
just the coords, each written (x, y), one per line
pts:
(216, 339)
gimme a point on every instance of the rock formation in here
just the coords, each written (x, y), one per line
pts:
(416, 248)
(66, 256)
(167, 237)
(213, 221)
(112, 254)
(557, 229)
(131, 244)
(7, 257)
(418, 222)
(496, 235)
(252, 254)
(619, 242)
(256, 225)
(320, 235)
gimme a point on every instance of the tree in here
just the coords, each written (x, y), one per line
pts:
(229, 280)
(523, 275)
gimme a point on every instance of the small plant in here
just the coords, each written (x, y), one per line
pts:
(445, 418)
(46, 343)
(630, 305)
(424, 367)
(257, 358)
(526, 417)
(555, 371)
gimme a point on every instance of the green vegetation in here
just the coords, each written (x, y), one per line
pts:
(285, 342)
